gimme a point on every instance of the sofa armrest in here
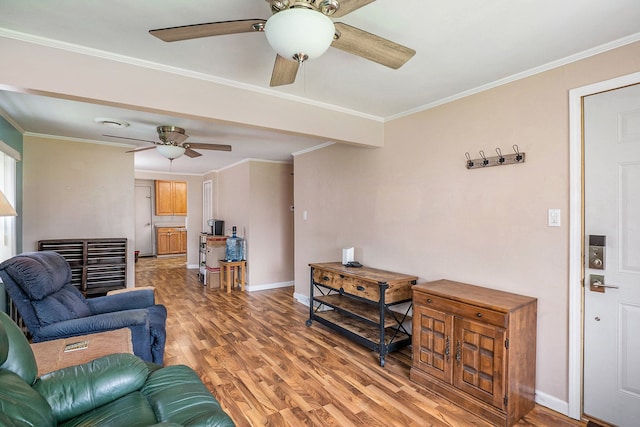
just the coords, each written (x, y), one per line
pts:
(123, 301)
(78, 389)
(93, 324)
(124, 290)
(196, 407)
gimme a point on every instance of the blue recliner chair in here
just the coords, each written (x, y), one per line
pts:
(39, 283)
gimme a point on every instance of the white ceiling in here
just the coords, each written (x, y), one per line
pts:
(462, 46)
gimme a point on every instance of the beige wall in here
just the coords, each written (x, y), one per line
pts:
(77, 190)
(234, 198)
(256, 197)
(271, 223)
(413, 207)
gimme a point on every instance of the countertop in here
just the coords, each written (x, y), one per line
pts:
(178, 226)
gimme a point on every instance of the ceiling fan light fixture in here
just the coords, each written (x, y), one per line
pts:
(170, 151)
(299, 33)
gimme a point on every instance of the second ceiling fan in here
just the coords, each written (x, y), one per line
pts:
(299, 30)
(172, 143)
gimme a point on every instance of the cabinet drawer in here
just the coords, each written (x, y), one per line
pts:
(362, 289)
(328, 278)
(367, 289)
(350, 285)
(460, 309)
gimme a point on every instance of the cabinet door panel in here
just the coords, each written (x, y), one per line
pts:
(480, 361)
(162, 241)
(179, 198)
(432, 349)
(183, 242)
(175, 242)
(164, 198)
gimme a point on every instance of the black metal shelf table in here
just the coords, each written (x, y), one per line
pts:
(367, 305)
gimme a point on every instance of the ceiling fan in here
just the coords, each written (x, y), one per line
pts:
(171, 143)
(299, 30)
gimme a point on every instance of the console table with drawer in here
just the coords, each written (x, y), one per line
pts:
(367, 305)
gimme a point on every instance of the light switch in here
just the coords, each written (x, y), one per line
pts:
(554, 218)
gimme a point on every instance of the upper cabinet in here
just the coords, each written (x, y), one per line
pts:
(171, 198)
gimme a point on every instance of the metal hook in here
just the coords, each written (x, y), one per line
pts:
(501, 157)
(485, 162)
(518, 155)
(469, 161)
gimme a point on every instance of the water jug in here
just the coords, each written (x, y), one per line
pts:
(235, 247)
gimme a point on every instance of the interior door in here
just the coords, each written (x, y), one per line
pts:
(144, 230)
(207, 205)
(612, 256)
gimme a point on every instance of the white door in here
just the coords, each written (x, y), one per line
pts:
(144, 230)
(207, 204)
(612, 210)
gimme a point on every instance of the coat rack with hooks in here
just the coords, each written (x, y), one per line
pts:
(501, 159)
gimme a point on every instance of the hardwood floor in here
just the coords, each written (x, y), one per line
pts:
(254, 352)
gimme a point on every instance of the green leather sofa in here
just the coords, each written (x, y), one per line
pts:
(115, 390)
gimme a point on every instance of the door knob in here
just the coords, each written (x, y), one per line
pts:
(596, 284)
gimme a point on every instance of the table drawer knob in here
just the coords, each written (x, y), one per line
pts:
(325, 278)
(479, 314)
(429, 300)
(360, 288)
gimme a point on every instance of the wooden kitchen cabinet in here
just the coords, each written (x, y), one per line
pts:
(171, 240)
(476, 347)
(171, 198)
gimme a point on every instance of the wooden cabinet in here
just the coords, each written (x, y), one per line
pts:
(171, 240)
(171, 198)
(476, 347)
(367, 305)
(97, 265)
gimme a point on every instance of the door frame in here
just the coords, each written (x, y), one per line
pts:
(576, 233)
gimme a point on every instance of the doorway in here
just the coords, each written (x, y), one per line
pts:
(143, 220)
(577, 239)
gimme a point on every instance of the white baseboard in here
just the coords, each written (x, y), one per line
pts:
(192, 266)
(264, 287)
(552, 403)
(301, 298)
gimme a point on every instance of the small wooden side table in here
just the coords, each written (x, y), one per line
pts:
(50, 355)
(235, 270)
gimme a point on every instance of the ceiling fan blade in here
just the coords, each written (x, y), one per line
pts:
(348, 6)
(187, 32)
(190, 153)
(202, 146)
(176, 137)
(371, 47)
(284, 72)
(132, 139)
(140, 149)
